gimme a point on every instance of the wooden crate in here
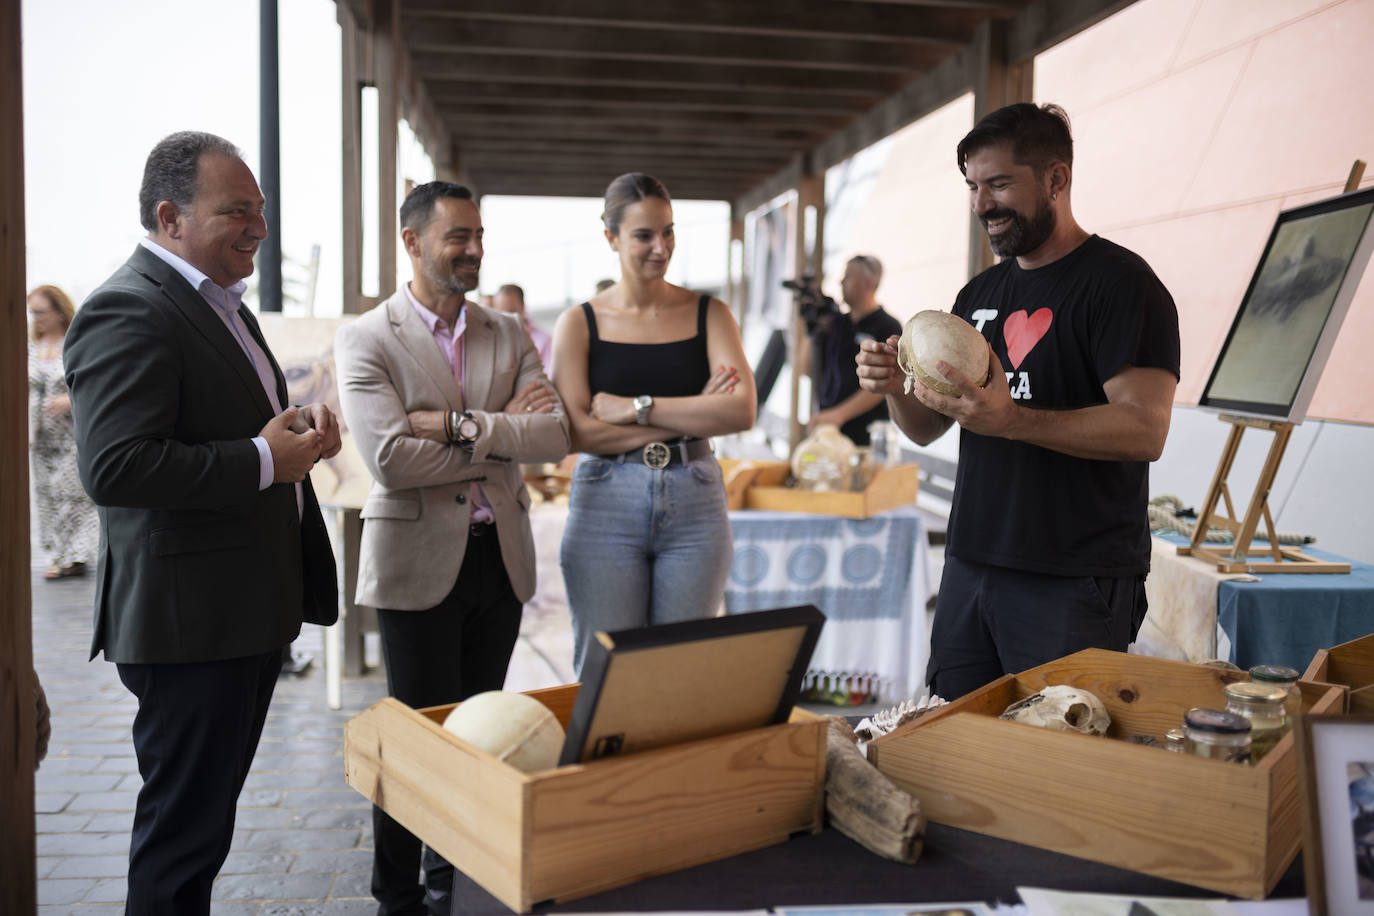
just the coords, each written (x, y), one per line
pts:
(576, 830)
(890, 488)
(1351, 665)
(1226, 827)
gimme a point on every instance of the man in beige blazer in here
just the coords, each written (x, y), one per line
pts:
(445, 399)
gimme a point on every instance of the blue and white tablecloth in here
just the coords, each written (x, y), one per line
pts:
(868, 576)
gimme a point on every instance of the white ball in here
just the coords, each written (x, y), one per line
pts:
(512, 727)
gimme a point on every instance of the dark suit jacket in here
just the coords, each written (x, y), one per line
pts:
(196, 564)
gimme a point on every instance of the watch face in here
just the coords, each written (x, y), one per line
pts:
(467, 429)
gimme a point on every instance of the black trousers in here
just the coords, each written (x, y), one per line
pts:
(195, 735)
(460, 647)
(991, 621)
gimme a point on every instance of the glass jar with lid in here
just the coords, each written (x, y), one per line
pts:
(1262, 703)
(1217, 734)
(1174, 741)
(1288, 678)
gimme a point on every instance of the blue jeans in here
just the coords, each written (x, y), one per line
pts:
(642, 546)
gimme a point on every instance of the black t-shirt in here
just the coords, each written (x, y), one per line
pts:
(837, 374)
(1061, 332)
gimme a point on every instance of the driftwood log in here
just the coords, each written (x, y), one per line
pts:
(865, 805)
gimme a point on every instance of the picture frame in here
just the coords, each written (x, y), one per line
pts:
(1336, 795)
(656, 686)
(1292, 311)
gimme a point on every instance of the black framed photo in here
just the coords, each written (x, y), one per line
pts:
(656, 686)
(1336, 791)
(1292, 311)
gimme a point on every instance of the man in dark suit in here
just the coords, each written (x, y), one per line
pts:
(213, 550)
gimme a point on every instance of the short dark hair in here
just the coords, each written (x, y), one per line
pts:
(511, 288)
(1038, 135)
(173, 168)
(630, 188)
(418, 208)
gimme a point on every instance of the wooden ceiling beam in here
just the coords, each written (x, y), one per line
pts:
(712, 149)
(552, 134)
(760, 101)
(612, 165)
(875, 22)
(536, 68)
(627, 121)
(546, 185)
(458, 37)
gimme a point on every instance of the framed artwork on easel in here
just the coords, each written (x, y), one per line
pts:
(1271, 362)
(1292, 310)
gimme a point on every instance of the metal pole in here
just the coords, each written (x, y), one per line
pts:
(269, 252)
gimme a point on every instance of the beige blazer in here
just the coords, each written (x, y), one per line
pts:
(415, 527)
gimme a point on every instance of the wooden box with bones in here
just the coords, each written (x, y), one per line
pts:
(1350, 665)
(574, 830)
(1227, 827)
(762, 485)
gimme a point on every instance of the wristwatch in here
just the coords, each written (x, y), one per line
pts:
(643, 404)
(465, 433)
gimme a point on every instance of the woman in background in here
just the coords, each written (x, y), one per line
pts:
(648, 371)
(66, 517)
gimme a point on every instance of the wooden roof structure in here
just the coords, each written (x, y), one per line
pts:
(721, 99)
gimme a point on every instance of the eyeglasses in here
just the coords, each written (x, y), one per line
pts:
(36, 312)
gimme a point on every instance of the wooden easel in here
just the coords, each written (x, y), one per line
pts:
(1237, 559)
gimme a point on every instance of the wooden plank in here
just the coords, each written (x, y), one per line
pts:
(19, 887)
(498, 66)
(666, 47)
(755, 101)
(1046, 23)
(851, 19)
(677, 807)
(626, 120)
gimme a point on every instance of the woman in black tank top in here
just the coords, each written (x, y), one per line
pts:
(648, 372)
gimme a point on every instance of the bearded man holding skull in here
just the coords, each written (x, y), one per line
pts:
(1048, 543)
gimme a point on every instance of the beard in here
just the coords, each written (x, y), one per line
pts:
(445, 274)
(1023, 235)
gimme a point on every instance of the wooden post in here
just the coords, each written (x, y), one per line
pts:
(736, 278)
(350, 62)
(388, 63)
(806, 259)
(18, 874)
(996, 81)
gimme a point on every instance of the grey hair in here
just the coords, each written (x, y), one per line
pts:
(172, 170)
(869, 265)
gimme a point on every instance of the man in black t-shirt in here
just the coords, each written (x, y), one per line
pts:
(1048, 541)
(835, 343)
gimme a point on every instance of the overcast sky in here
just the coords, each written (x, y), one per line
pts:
(103, 82)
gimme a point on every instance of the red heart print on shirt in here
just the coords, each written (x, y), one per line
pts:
(1022, 332)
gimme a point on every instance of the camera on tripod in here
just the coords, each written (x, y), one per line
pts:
(814, 306)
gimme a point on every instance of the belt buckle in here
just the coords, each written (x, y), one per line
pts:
(657, 455)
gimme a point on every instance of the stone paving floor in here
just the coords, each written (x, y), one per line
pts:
(303, 838)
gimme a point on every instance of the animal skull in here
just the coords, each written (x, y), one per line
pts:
(1062, 708)
(933, 335)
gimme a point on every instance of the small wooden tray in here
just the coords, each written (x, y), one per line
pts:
(576, 830)
(1351, 665)
(759, 485)
(1226, 827)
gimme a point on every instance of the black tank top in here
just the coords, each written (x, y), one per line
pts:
(679, 368)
